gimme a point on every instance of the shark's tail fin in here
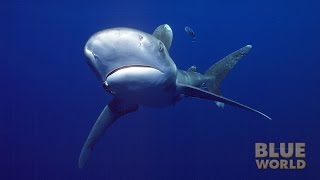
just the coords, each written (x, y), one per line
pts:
(218, 71)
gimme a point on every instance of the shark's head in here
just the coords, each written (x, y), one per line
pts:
(130, 61)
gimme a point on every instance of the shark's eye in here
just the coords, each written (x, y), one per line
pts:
(160, 45)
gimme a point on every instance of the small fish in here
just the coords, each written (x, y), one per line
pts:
(191, 33)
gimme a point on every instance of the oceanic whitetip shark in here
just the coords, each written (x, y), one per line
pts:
(137, 70)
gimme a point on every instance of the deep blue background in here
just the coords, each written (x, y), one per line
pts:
(50, 98)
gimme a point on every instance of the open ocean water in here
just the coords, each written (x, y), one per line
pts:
(50, 98)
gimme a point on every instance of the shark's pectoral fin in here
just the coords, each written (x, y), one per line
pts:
(197, 92)
(110, 113)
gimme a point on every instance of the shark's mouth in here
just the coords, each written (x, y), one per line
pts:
(133, 79)
(128, 67)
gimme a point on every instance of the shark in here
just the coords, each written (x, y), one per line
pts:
(135, 67)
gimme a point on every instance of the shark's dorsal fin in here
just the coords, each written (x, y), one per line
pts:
(200, 93)
(164, 34)
(192, 69)
(110, 114)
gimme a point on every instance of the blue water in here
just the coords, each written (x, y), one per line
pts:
(50, 98)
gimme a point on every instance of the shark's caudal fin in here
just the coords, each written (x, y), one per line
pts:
(110, 113)
(218, 71)
(200, 93)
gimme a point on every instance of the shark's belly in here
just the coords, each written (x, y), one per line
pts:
(141, 85)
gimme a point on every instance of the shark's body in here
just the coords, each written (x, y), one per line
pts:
(135, 67)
